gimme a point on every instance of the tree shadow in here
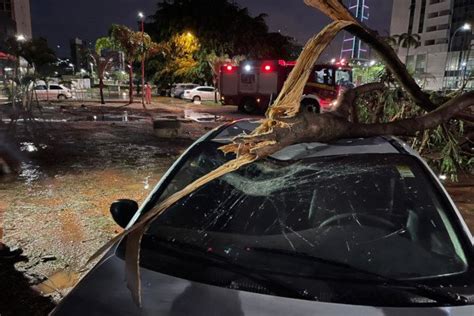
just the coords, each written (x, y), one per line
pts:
(16, 295)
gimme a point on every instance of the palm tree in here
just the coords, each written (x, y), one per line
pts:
(394, 42)
(102, 65)
(135, 46)
(407, 41)
(130, 44)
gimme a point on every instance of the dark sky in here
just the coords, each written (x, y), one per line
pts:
(61, 20)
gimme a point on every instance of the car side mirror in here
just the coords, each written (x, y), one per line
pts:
(123, 211)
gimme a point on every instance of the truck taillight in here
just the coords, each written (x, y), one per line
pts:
(267, 68)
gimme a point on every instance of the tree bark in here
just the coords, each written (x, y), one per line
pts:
(101, 90)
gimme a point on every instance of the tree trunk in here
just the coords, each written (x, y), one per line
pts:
(101, 90)
(406, 56)
(130, 85)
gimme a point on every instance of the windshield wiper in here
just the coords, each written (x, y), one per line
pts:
(199, 253)
(438, 295)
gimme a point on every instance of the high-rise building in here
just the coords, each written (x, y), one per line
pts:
(15, 18)
(352, 47)
(443, 59)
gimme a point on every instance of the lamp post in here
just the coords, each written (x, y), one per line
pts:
(141, 16)
(20, 38)
(465, 27)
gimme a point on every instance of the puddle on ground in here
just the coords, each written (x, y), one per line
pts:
(124, 117)
(201, 117)
(57, 282)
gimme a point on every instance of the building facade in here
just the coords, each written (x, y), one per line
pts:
(353, 47)
(15, 18)
(444, 59)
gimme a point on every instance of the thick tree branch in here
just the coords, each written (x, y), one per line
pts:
(408, 127)
(346, 103)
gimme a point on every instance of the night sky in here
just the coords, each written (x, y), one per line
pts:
(61, 20)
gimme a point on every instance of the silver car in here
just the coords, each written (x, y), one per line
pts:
(355, 227)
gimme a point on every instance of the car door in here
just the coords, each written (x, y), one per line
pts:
(209, 94)
(54, 91)
(41, 92)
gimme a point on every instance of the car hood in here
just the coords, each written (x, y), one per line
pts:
(104, 292)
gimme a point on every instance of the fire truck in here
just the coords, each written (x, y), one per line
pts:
(254, 85)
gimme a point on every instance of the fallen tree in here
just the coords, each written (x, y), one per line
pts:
(287, 123)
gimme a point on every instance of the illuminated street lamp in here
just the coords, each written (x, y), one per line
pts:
(141, 17)
(465, 27)
(20, 38)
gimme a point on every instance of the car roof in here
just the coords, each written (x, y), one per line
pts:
(372, 145)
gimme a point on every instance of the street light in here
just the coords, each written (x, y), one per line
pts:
(141, 17)
(465, 27)
(20, 38)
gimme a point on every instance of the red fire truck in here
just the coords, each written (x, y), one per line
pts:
(254, 85)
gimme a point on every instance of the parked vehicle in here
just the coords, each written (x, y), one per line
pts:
(201, 94)
(177, 89)
(355, 227)
(52, 92)
(254, 85)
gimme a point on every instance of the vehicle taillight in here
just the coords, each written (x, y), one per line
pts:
(229, 67)
(267, 68)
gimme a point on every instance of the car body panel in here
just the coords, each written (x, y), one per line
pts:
(204, 93)
(52, 92)
(178, 89)
(104, 292)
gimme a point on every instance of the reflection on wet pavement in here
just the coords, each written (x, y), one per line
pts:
(56, 207)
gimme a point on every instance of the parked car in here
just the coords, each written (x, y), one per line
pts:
(201, 94)
(354, 227)
(177, 89)
(52, 92)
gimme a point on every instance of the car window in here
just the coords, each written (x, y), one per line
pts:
(324, 76)
(41, 87)
(378, 213)
(55, 87)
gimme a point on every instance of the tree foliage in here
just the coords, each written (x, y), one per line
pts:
(222, 27)
(35, 51)
(134, 45)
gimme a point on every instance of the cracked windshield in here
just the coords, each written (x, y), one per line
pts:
(236, 157)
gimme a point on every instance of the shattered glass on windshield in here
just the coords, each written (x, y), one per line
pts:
(375, 212)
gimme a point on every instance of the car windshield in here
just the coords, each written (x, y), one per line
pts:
(375, 212)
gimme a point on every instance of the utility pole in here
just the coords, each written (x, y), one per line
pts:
(142, 19)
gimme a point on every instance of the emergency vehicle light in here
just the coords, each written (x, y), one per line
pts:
(267, 68)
